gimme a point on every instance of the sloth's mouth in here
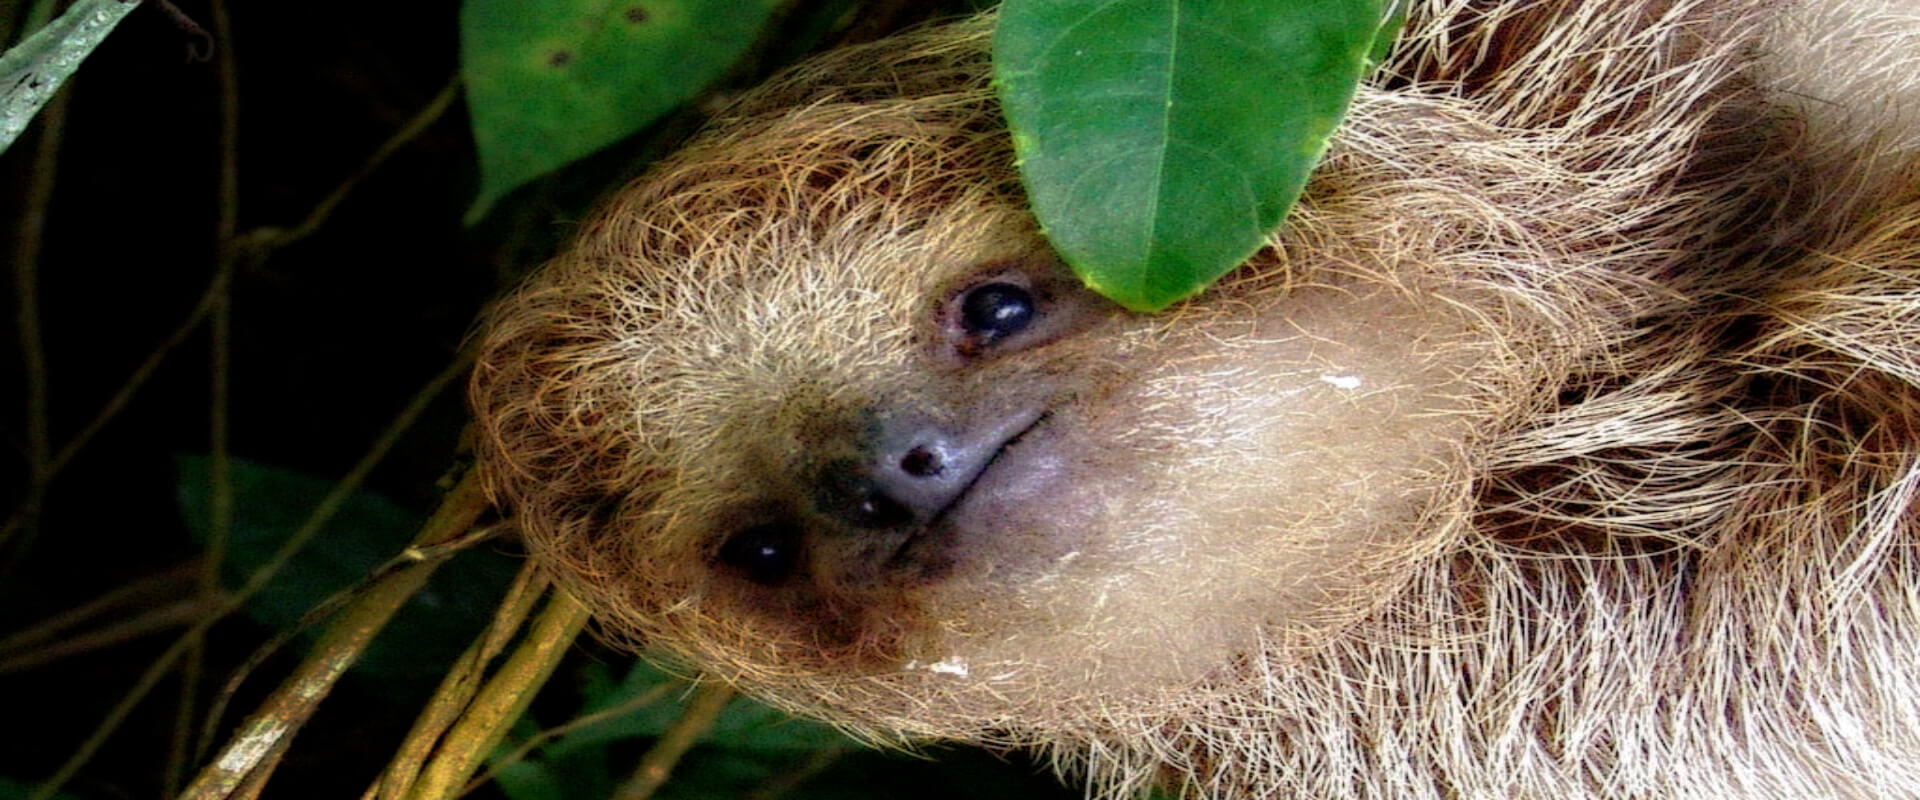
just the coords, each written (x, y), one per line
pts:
(938, 521)
(992, 460)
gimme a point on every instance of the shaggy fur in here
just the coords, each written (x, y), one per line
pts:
(1565, 442)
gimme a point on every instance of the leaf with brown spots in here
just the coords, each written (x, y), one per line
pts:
(551, 81)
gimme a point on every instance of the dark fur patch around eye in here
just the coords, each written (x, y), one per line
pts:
(767, 554)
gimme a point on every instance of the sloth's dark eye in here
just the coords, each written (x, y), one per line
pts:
(765, 554)
(996, 310)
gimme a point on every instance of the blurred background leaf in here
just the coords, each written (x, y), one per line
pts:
(421, 640)
(11, 789)
(751, 751)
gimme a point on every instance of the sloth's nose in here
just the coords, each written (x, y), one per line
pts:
(908, 473)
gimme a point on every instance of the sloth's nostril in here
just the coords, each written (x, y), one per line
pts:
(922, 462)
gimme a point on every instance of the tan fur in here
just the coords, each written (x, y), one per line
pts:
(1564, 443)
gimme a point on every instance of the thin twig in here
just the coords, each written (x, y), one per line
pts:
(219, 385)
(186, 713)
(252, 247)
(254, 750)
(635, 703)
(84, 753)
(16, 539)
(350, 484)
(200, 43)
(502, 700)
(316, 519)
(255, 246)
(29, 509)
(459, 685)
(657, 765)
(29, 236)
(181, 612)
(164, 586)
(220, 500)
(432, 555)
(434, 109)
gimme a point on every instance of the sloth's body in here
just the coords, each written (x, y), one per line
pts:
(1565, 442)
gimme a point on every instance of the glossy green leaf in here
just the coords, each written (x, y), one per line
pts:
(1160, 141)
(551, 81)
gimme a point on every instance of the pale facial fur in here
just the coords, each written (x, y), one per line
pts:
(1563, 442)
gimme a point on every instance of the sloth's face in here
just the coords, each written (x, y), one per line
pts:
(842, 447)
(942, 454)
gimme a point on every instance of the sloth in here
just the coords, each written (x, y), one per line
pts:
(1564, 440)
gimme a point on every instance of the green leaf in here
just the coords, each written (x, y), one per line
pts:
(539, 780)
(31, 71)
(551, 81)
(1388, 33)
(1160, 141)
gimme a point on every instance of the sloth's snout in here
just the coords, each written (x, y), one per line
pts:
(912, 468)
(908, 473)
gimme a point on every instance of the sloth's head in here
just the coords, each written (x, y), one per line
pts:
(814, 407)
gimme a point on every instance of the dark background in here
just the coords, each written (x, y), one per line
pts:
(331, 337)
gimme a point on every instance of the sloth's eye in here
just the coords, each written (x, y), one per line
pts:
(996, 310)
(765, 554)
